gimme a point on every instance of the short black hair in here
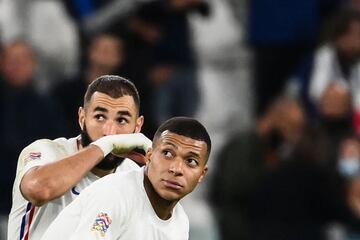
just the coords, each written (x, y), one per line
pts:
(114, 86)
(339, 24)
(185, 126)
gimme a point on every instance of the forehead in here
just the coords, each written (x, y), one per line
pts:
(182, 142)
(125, 102)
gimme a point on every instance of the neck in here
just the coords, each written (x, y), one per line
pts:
(162, 207)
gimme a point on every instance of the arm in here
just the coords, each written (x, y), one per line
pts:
(44, 183)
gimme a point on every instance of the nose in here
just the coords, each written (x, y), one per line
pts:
(109, 128)
(176, 167)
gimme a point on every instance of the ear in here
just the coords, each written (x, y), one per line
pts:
(81, 114)
(203, 174)
(148, 156)
(139, 123)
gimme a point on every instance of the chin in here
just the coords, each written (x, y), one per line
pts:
(170, 195)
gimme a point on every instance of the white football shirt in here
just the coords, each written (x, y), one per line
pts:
(27, 221)
(117, 207)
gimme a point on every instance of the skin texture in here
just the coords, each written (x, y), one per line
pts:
(174, 168)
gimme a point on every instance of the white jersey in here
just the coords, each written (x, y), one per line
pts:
(117, 207)
(27, 221)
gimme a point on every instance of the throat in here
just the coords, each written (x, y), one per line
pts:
(162, 207)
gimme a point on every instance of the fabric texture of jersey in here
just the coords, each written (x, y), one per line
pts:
(27, 221)
(117, 207)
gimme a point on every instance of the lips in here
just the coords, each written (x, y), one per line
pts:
(172, 184)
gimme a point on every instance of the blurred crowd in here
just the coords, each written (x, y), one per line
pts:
(277, 83)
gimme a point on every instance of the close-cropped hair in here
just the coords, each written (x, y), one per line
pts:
(339, 24)
(185, 126)
(113, 86)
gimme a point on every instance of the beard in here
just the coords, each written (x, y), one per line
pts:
(109, 162)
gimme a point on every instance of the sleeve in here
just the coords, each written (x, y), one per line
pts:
(103, 213)
(36, 154)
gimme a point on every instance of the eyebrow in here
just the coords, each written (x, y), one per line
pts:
(195, 154)
(191, 152)
(122, 113)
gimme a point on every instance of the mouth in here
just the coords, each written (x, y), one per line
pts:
(172, 184)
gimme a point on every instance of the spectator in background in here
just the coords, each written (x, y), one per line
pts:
(160, 58)
(280, 36)
(174, 70)
(47, 27)
(247, 158)
(348, 168)
(105, 55)
(26, 114)
(327, 82)
(302, 196)
(336, 63)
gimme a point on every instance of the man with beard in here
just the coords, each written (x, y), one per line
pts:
(51, 174)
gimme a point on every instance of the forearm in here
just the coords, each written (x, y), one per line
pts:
(52, 180)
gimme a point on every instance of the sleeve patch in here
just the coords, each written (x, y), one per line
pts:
(32, 156)
(101, 224)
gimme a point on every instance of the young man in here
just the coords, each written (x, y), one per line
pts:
(51, 174)
(143, 203)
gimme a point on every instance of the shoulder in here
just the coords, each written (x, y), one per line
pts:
(181, 214)
(324, 52)
(117, 191)
(122, 183)
(127, 165)
(47, 145)
(44, 150)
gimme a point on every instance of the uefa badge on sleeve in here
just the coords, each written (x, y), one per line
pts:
(32, 156)
(101, 224)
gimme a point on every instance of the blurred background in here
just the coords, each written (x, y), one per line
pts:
(277, 84)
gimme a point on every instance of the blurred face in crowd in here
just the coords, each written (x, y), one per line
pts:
(176, 165)
(106, 52)
(335, 102)
(19, 64)
(288, 118)
(349, 43)
(104, 116)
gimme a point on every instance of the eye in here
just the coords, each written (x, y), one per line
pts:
(122, 120)
(99, 117)
(167, 154)
(192, 162)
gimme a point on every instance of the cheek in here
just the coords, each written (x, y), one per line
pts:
(94, 129)
(192, 180)
(126, 129)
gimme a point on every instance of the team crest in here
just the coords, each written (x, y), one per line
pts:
(102, 224)
(32, 156)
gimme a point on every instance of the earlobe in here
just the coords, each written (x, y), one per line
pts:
(205, 170)
(81, 114)
(148, 156)
(139, 123)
